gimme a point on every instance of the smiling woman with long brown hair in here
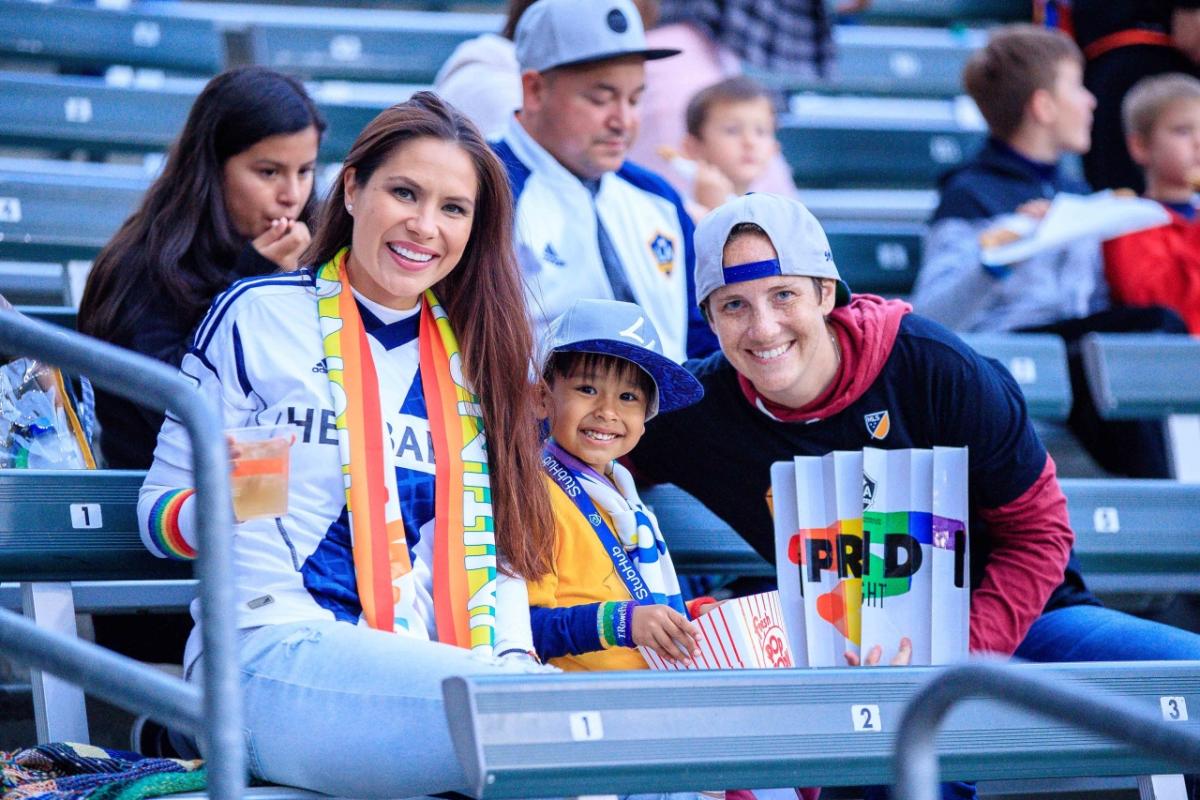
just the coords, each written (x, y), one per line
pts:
(398, 364)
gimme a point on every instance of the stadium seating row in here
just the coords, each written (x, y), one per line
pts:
(58, 212)
(54, 112)
(939, 13)
(921, 138)
(1132, 536)
(522, 737)
(324, 44)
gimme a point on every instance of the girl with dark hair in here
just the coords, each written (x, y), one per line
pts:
(399, 360)
(233, 200)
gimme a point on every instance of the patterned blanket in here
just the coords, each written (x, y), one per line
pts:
(66, 771)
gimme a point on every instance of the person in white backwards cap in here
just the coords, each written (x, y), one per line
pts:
(589, 224)
(806, 369)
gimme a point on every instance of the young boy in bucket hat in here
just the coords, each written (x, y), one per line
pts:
(613, 585)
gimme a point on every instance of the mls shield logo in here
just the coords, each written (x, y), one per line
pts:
(878, 424)
(663, 248)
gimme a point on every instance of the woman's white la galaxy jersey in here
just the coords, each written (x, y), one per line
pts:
(259, 356)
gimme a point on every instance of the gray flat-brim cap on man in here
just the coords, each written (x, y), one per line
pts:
(799, 240)
(562, 33)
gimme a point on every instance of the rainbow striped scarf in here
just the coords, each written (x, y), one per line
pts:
(464, 568)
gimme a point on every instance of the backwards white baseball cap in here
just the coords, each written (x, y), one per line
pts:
(560, 33)
(799, 240)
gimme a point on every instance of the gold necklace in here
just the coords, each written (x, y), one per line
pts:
(837, 351)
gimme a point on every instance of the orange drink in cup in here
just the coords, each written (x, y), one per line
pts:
(259, 476)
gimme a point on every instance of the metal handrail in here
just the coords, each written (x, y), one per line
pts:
(1115, 717)
(216, 713)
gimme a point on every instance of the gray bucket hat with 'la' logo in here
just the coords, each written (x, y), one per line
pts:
(615, 328)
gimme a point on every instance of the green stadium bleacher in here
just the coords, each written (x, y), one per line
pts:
(526, 736)
(77, 36)
(74, 112)
(877, 257)
(1038, 363)
(56, 113)
(940, 13)
(892, 61)
(1131, 535)
(34, 283)
(877, 142)
(75, 525)
(362, 53)
(60, 211)
(870, 205)
(1140, 376)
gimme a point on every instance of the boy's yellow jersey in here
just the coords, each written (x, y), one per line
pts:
(583, 573)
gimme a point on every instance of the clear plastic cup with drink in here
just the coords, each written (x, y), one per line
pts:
(259, 476)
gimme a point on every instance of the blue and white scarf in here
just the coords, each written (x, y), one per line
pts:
(636, 525)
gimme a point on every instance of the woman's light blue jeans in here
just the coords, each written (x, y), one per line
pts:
(354, 712)
(350, 711)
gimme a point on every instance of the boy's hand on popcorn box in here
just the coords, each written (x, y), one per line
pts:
(665, 631)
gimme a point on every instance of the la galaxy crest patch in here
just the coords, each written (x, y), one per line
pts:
(663, 249)
(551, 256)
(878, 424)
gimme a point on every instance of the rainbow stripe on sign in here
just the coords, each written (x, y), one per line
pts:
(837, 548)
(164, 525)
(892, 552)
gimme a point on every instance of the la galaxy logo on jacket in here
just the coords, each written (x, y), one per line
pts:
(878, 424)
(663, 248)
(551, 256)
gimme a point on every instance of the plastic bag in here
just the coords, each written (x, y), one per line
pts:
(44, 424)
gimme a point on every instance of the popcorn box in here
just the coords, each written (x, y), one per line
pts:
(745, 633)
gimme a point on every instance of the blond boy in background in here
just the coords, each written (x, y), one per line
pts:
(730, 142)
(1161, 266)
